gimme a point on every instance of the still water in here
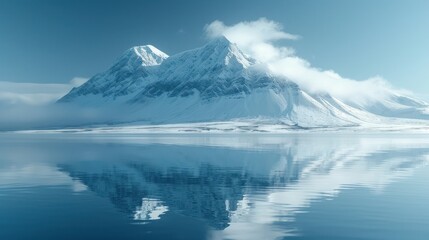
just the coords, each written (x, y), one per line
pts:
(297, 186)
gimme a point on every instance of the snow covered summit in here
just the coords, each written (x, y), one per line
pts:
(122, 79)
(148, 54)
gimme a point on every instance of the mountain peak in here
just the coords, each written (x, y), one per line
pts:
(150, 49)
(148, 55)
(220, 41)
(226, 52)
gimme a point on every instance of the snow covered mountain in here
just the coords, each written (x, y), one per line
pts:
(218, 82)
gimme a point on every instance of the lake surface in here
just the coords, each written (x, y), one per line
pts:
(295, 186)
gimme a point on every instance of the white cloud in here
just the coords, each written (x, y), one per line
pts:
(254, 37)
(259, 39)
(262, 30)
(35, 93)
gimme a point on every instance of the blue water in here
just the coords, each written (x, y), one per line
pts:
(297, 186)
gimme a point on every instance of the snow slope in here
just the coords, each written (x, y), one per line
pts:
(218, 82)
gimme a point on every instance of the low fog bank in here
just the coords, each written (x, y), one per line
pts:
(55, 115)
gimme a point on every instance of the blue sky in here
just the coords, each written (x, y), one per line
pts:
(57, 41)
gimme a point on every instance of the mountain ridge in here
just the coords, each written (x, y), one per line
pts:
(218, 82)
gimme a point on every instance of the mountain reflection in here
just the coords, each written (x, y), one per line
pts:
(242, 186)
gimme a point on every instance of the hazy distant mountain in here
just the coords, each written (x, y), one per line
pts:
(218, 82)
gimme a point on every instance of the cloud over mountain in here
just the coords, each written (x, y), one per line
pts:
(260, 39)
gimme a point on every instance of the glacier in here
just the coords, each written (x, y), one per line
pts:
(218, 83)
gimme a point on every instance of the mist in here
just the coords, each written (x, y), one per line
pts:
(31, 106)
(60, 115)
